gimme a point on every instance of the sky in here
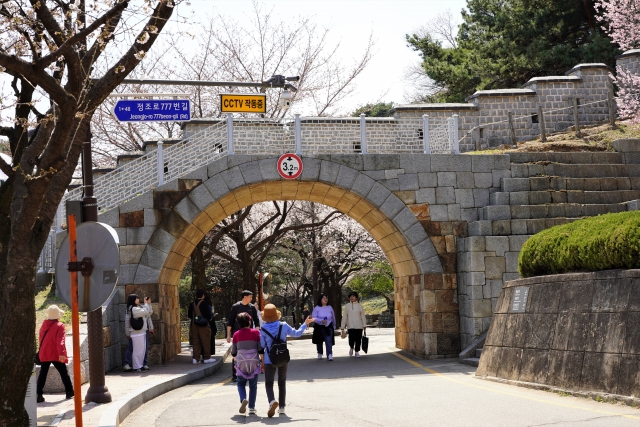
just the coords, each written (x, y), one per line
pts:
(351, 23)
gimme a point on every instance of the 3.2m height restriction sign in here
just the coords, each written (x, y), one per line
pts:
(289, 166)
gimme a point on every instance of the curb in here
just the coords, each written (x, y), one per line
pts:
(117, 411)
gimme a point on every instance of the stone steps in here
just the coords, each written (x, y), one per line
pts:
(563, 196)
(575, 170)
(544, 183)
(568, 158)
(514, 226)
(559, 210)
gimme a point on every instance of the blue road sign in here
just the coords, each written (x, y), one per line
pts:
(152, 110)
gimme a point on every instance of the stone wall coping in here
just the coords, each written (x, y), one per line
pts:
(443, 106)
(165, 142)
(588, 66)
(502, 92)
(130, 155)
(573, 277)
(632, 52)
(553, 79)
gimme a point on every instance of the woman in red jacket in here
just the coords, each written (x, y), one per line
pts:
(53, 350)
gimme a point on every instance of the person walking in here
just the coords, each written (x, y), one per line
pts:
(200, 315)
(354, 319)
(138, 315)
(305, 313)
(324, 326)
(249, 360)
(53, 350)
(212, 325)
(274, 330)
(129, 352)
(242, 306)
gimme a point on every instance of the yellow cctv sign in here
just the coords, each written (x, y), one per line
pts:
(237, 103)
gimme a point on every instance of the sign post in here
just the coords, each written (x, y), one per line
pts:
(241, 103)
(289, 166)
(75, 323)
(152, 110)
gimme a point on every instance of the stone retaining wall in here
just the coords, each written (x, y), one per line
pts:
(578, 331)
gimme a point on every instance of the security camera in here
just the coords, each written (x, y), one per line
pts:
(284, 101)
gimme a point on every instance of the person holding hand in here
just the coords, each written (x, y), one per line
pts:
(325, 325)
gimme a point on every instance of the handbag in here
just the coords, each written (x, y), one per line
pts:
(365, 342)
(198, 319)
(343, 334)
(37, 357)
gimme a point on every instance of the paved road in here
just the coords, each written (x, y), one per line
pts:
(383, 388)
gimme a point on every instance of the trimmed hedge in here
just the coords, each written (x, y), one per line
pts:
(603, 242)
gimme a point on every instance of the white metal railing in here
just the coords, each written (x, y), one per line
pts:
(47, 260)
(269, 136)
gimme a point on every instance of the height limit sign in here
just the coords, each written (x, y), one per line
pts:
(289, 166)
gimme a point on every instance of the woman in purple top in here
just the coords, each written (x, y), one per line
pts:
(325, 324)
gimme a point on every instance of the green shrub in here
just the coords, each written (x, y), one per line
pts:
(604, 242)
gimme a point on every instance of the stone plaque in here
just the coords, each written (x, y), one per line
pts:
(519, 300)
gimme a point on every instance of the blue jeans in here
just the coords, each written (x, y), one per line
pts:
(128, 354)
(326, 335)
(253, 390)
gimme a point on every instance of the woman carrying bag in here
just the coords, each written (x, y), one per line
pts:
(138, 320)
(353, 317)
(325, 324)
(53, 350)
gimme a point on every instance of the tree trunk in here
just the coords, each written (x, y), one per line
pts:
(198, 268)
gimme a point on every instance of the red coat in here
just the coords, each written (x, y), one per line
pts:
(53, 346)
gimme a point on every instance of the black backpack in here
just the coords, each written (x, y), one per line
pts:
(278, 353)
(136, 322)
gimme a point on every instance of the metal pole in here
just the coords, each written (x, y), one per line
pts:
(612, 108)
(98, 391)
(363, 134)
(512, 131)
(543, 130)
(425, 134)
(456, 143)
(160, 164)
(230, 133)
(298, 135)
(575, 116)
(75, 322)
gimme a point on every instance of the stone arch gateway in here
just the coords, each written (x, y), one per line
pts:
(159, 230)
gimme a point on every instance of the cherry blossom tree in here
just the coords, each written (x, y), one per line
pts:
(62, 59)
(621, 19)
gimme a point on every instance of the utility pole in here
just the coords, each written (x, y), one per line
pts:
(98, 391)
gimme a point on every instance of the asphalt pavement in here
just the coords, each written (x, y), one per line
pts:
(383, 388)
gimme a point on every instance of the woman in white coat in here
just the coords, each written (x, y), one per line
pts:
(354, 319)
(138, 315)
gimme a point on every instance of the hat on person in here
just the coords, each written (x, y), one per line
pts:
(54, 312)
(354, 293)
(270, 313)
(245, 293)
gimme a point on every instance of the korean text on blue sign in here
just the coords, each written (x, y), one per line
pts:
(152, 110)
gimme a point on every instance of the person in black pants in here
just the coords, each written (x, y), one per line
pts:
(212, 324)
(242, 306)
(53, 351)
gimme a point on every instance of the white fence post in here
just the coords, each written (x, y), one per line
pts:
(298, 135)
(425, 134)
(363, 134)
(160, 164)
(230, 133)
(456, 143)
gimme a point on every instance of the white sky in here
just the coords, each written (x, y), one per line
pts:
(351, 23)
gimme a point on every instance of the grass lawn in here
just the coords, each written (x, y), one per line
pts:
(374, 305)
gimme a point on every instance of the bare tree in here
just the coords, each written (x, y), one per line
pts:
(51, 48)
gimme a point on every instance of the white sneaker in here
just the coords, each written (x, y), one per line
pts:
(350, 352)
(319, 356)
(126, 368)
(357, 354)
(281, 411)
(272, 408)
(212, 360)
(243, 406)
(252, 411)
(195, 362)
(330, 357)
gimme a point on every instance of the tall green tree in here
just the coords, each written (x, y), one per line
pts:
(504, 43)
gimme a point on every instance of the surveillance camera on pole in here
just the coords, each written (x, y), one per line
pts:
(284, 101)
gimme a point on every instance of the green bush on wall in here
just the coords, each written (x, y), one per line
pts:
(603, 242)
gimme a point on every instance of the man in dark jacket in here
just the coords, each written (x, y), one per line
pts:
(242, 306)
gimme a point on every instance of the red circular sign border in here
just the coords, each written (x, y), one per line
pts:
(289, 176)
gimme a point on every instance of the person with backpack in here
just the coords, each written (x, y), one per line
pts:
(273, 339)
(137, 318)
(212, 324)
(249, 360)
(356, 322)
(200, 315)
(53, 350)
(129, 352)
(242, 306)
(324, 327)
